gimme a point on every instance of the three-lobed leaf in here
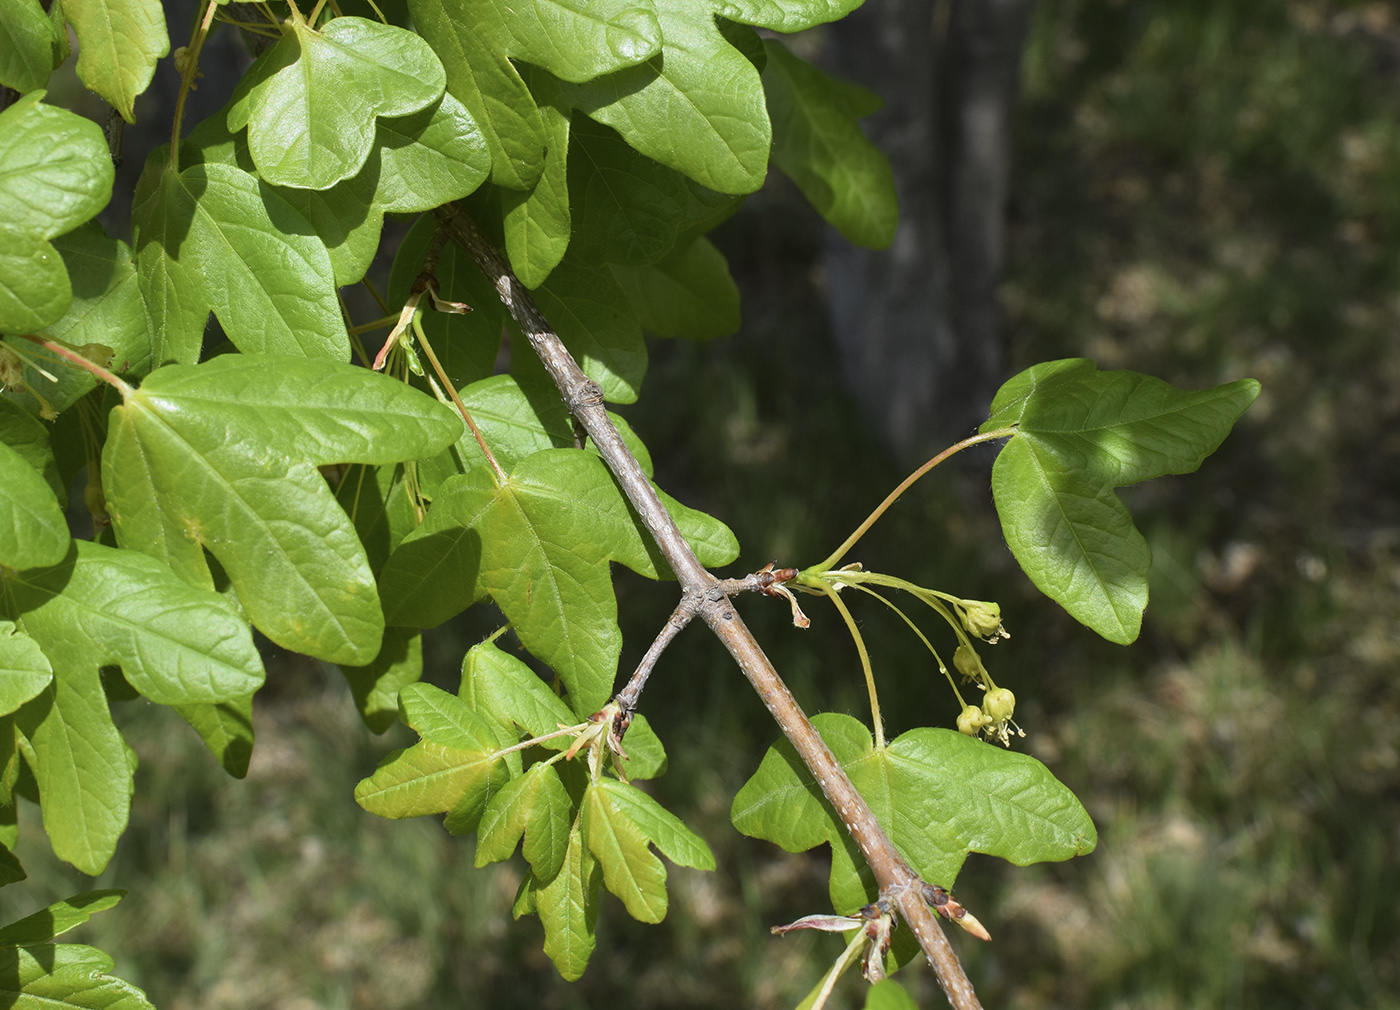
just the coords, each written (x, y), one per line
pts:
(214, 236)
(1078, 434)
(818, 143)
(539, 544)
(312, 101)
(222, 456)
(937, 793)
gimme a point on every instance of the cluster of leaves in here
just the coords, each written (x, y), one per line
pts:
(269, 484)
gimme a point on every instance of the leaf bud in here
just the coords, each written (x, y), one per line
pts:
(999, 705)
(971, 721)
(982, 619)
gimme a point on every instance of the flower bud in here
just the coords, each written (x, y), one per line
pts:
(999, 705)
(971, 721)
(11, 369)
(980, 618)
(965, 659)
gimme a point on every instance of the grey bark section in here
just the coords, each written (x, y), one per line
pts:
(917, 325)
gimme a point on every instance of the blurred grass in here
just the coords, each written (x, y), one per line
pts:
(1203, 191)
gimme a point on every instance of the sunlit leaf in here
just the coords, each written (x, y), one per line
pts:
(119, 42)
(937, 793)
(24, 669)
(55, 173)
(64, 974)
(312, 101)
(223, 456)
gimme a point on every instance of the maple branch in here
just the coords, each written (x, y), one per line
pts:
(584, 398)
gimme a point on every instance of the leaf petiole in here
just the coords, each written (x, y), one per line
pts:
(904, 485)
(74, 358)
(456, 400)
(187, 80)
(826, 588)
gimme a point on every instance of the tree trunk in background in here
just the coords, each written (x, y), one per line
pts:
(918, 325)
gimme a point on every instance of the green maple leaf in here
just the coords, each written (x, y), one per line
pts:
(572, 39)
(311, 102)
(698, 107)
(55, 173)
(818, 143)
(938, 794)
(620, 823)
(517, 418)
(629, 207)
(222, 456)
(58, 918)
(539, 544)
(24, 669)
(452, 769)
(64, 974)
(690, 293)
(1080, 433)
(214, 236)
(119, 43)
(33, 531)
(567, 906)
(29, 46)
(176, 644)
(535, 806)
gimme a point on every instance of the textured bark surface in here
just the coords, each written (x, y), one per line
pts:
(918, 325)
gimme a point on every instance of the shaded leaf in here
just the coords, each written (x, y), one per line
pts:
(697, 108)
(33, 531)
(592, 316)
(1080, 433)
(55, 173)
(106, 309)
(27, 45)
(376, 687)
(226, 729)
(537, 224)
(688, 294)
(58, 918)
(213, 236)
(539, 545)
(629, 208)
(817, 142)
(572, 39)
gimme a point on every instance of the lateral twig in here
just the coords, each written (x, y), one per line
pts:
(680, 617)
(584, 399)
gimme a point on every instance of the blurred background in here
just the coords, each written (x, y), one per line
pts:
(1199, 189)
